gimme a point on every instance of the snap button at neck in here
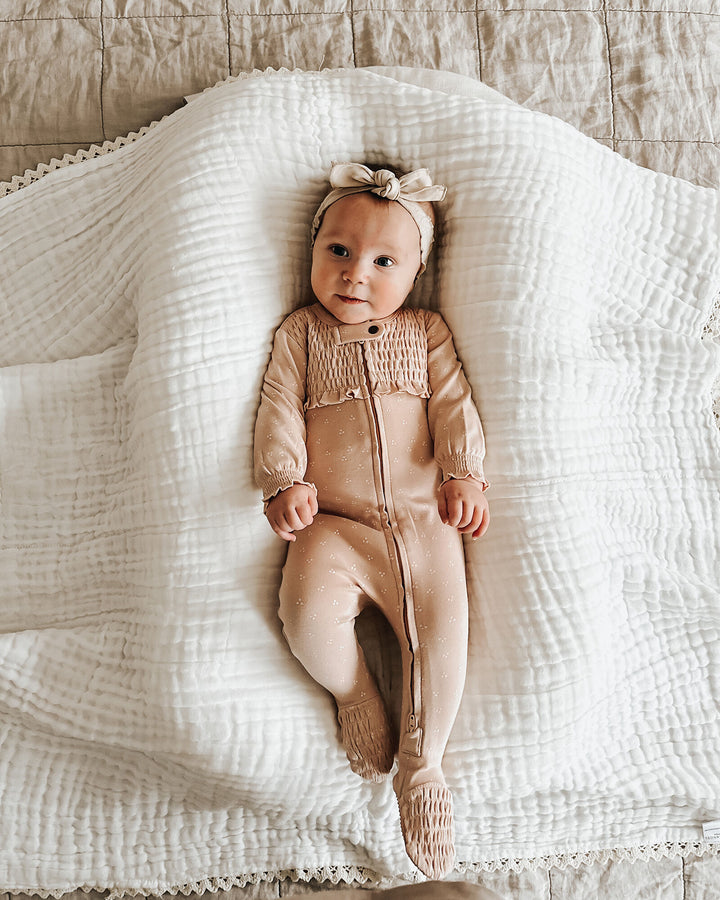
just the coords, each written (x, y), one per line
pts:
(363, 331)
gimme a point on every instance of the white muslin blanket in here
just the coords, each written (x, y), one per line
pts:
(155, 730)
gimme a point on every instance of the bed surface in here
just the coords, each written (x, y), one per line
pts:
(640, 76)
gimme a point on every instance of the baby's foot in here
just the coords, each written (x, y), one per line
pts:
(426, 819)
(367, 737)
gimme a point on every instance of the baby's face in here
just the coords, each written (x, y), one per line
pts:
(365, 258)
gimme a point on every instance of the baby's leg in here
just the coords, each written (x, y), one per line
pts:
(438, 596)
(319, 602)
(320, 598)
(442, 626)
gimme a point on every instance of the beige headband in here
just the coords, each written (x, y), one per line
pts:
(408, 191)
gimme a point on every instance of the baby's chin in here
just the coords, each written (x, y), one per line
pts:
(353, 311)
(349, 311)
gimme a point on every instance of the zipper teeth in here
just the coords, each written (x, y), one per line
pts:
(412, 720)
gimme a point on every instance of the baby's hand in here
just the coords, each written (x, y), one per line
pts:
(292, 510)
(462, 505)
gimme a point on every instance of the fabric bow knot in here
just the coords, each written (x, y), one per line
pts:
(415, 186)
(389, 185)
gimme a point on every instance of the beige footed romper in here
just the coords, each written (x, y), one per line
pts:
(375, 416)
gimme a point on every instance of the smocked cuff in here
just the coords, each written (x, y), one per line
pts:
(464, 466)
(281, 482)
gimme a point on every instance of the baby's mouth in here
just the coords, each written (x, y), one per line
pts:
(350, 299)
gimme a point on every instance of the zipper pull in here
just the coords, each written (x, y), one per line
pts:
(412, 739)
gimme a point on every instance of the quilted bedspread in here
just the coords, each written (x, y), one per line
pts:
(155, 730)
(641, 76)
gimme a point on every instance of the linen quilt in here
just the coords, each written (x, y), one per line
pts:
(641, 76)
(156, 731)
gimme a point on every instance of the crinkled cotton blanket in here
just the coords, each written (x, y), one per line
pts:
(155, 730)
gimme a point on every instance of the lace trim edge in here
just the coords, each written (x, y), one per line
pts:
(360, 875)
(30, 176)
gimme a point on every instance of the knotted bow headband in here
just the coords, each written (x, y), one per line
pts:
(408, 190)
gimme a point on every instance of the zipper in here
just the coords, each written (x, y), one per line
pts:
(412, 740)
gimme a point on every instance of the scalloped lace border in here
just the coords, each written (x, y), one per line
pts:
(358, 875)
(32, 175)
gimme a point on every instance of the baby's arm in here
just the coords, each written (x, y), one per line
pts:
(292, 510)
(280, 454)
(462, 504)
(457, 434)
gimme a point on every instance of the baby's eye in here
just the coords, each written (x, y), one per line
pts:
(338, 250)
(385, 262)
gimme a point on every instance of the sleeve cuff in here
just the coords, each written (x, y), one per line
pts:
(464, 466)
(282, 483)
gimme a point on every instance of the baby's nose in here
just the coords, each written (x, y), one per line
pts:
(356, 272)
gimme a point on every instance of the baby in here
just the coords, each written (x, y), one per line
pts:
(369, 452)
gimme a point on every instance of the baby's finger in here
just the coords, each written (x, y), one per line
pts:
(305, 513)
(470, 513)
(480, 531)
(455, 512)
(313, 503)
(474, 519)
(293, 519)
(282, 532)
(442, 508)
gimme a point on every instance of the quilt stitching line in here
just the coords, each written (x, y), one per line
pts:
(652, 12)
(352, 11)
(611, 75)
(601, 137)
(665, 12)
(352, 32)
(684, 881)
(665, 141)
(229, 44)
(102, 69)
(478, 36)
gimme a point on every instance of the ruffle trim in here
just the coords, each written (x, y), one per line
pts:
(459, 477)
(335, 396)
(359, 875)
(280, 483)
(462, 466)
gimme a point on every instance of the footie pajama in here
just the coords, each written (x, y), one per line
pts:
(375, 416)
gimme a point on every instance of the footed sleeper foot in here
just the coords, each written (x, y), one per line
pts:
(367, 737)
(426, 819)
